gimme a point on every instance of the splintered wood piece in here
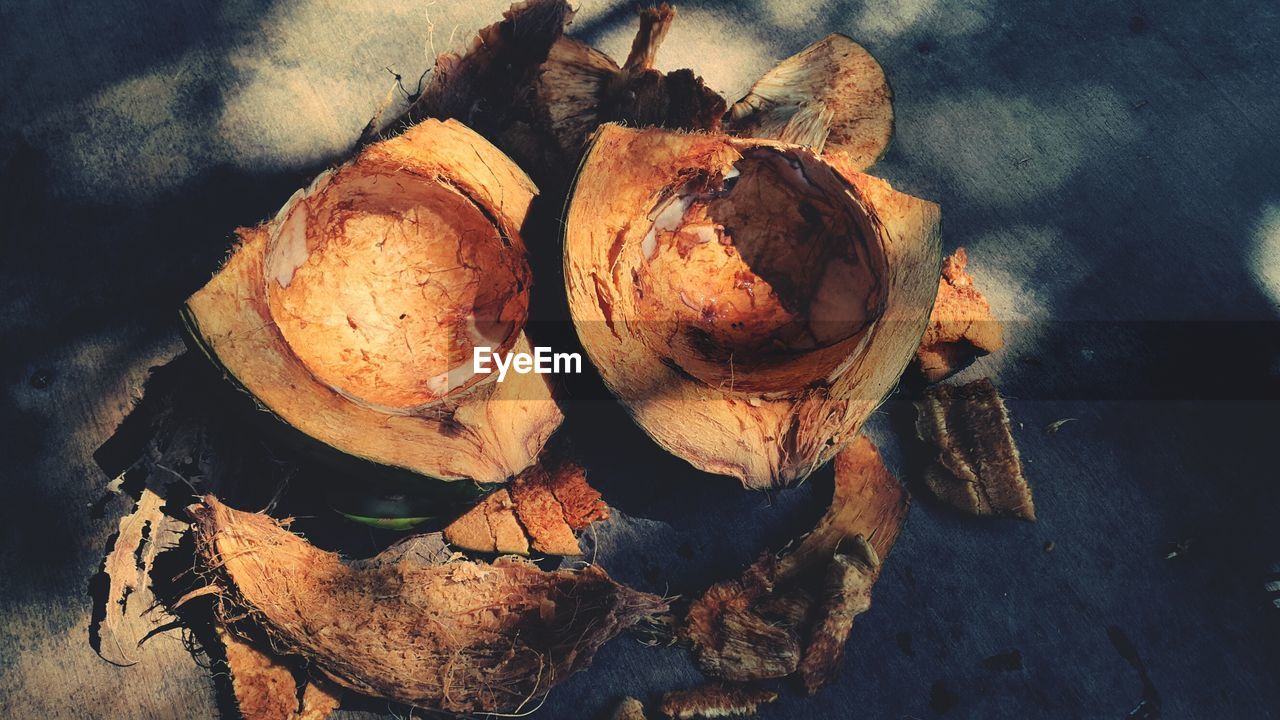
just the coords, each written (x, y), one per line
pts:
(715, 700)
(750, 628)
(629, 709)
(457, 636)
(961, 326)
(977, 468)
(265, 688)
(846, 593)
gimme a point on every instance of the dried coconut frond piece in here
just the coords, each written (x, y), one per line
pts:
(540, 511)
(832, 95)
(978, 468)
(629, 709)
(846, 594)
(715, 700)
(459, 636)
(960, 327)
(265, 688)
(751, 628)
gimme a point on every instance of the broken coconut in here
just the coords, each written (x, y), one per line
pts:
(960, 327)
(352, 315)
(749, 302)
(265, 688)
(540, 510)
(977, 467)
(793, 611)
(455, 636)
(832, 95)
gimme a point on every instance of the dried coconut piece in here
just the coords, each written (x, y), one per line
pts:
(977, 468)
(716, 699)
(750, 628)
(458, 636)
(579, 88)
(846, 593)
(540, 511)
(832, 95)
(629, 709)
(265, 688)
(960, 327)
(490, 526)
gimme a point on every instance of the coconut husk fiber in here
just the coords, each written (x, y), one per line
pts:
(456, 636)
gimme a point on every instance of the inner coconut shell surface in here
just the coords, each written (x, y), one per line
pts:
(749, 301)
(353, 314)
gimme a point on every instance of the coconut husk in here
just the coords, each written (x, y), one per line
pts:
(351, 315)
(977, 467)
(961, 327)
(266, 688)
(715, 700)
(629, 709)
(540, 511)
(748, 302)
(759, 626)
(455, 636)
(832, 95)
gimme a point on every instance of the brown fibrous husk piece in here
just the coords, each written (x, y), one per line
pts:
(846, 592)
(753, 627)
(977, 467)
(579, 88)
(716, 699)
(961, 326)
(629, 709)
(540, 511)
(266, 688)
(832, 95)
(457, 636)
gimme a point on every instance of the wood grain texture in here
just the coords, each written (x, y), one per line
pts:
(1113, 170)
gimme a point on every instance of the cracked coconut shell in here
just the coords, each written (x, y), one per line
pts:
(455, 636)
(353, 313)
(748, 301)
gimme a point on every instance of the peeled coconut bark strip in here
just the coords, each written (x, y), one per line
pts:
(748, 301)
(833, 95)
(353, 314)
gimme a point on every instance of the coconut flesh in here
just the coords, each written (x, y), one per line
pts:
(748, 301)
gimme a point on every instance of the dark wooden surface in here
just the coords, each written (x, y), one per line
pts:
(1113, 168)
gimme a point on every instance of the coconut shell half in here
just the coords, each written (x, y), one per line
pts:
(748, 301)
(352, 315)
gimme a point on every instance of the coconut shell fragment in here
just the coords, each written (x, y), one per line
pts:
(960, 327)
(832, 95)
(749, 302)
(977, 467)
(539, 511)
(785, 613)
(352, 314)
(716, 700)
(456, 636)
